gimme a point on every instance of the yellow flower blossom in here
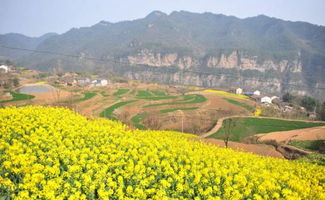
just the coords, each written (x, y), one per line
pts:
(54, 153)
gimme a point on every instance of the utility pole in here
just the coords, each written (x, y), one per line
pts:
(182, 120)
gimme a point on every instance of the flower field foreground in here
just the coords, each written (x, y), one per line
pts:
(53, 153)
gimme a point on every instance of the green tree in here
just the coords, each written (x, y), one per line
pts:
(16, 82)
(309, 103)
(287, 97)
(322, 112)
(228, 126)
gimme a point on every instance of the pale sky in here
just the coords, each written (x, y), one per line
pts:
(37, 17)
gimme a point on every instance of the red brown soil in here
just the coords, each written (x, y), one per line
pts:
(50, 97)
(259, 149)
(315, 133)
(90, 106)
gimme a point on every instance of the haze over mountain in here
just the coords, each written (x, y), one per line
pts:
(206, 49)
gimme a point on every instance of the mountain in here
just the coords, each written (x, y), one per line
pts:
(210, 50)
(19, 41)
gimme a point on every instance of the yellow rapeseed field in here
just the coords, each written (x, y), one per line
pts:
(54, 153)
(227, 94)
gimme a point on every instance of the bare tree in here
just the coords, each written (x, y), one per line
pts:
(195, 128)
(182, 90)
(228, 126)
(152, 122)
(124, 116)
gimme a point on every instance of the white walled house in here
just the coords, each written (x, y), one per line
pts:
(256, 92)
(100, 82)
(239, 91)
(4, 68)
(266, 100)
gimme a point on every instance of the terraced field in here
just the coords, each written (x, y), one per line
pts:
(158, 102)
(108, 112)
(17, 97)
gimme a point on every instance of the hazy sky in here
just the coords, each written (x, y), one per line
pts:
(36, 17)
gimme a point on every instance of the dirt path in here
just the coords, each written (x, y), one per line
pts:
(218, 126)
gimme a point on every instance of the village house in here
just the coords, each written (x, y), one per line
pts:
(4, 68)
(250, 93)
(256, 92)
(266, 100)
(84, 81)
(4, 81)
(100, 82)
(239, 91)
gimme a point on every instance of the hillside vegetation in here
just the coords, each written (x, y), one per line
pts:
(53, 153)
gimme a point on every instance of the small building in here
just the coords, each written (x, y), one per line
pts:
(100, 82)
(248, 93)
(4, 81)
(266, 100)
(287, 108)
(256, 92)
(239, 91)
(4, 68)
(83, 82)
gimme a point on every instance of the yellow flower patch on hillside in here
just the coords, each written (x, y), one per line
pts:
(53, 153)
(227, 94)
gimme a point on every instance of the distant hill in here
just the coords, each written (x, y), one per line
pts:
(189, 48)
(19, 41)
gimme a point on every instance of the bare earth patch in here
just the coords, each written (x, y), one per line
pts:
(315, 133)
(259, 149)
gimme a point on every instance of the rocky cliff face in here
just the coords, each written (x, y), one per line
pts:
(235, 60)
(233, 69)
(147, 57)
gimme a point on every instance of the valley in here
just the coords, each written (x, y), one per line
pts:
(188, 109)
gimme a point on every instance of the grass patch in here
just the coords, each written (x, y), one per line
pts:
(187, 99)
(250, 126)
(103, 93)
(144, 94)
(314, 158)
(153, 95)
(243, 105)
(87, 96)
(137, 121)
(17, 97)
(193, 98)
(158, 93)
(175, 109)
(307, 144)
(107, 112)
(120, 92)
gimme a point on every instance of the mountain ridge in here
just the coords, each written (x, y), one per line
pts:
(285, 52)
